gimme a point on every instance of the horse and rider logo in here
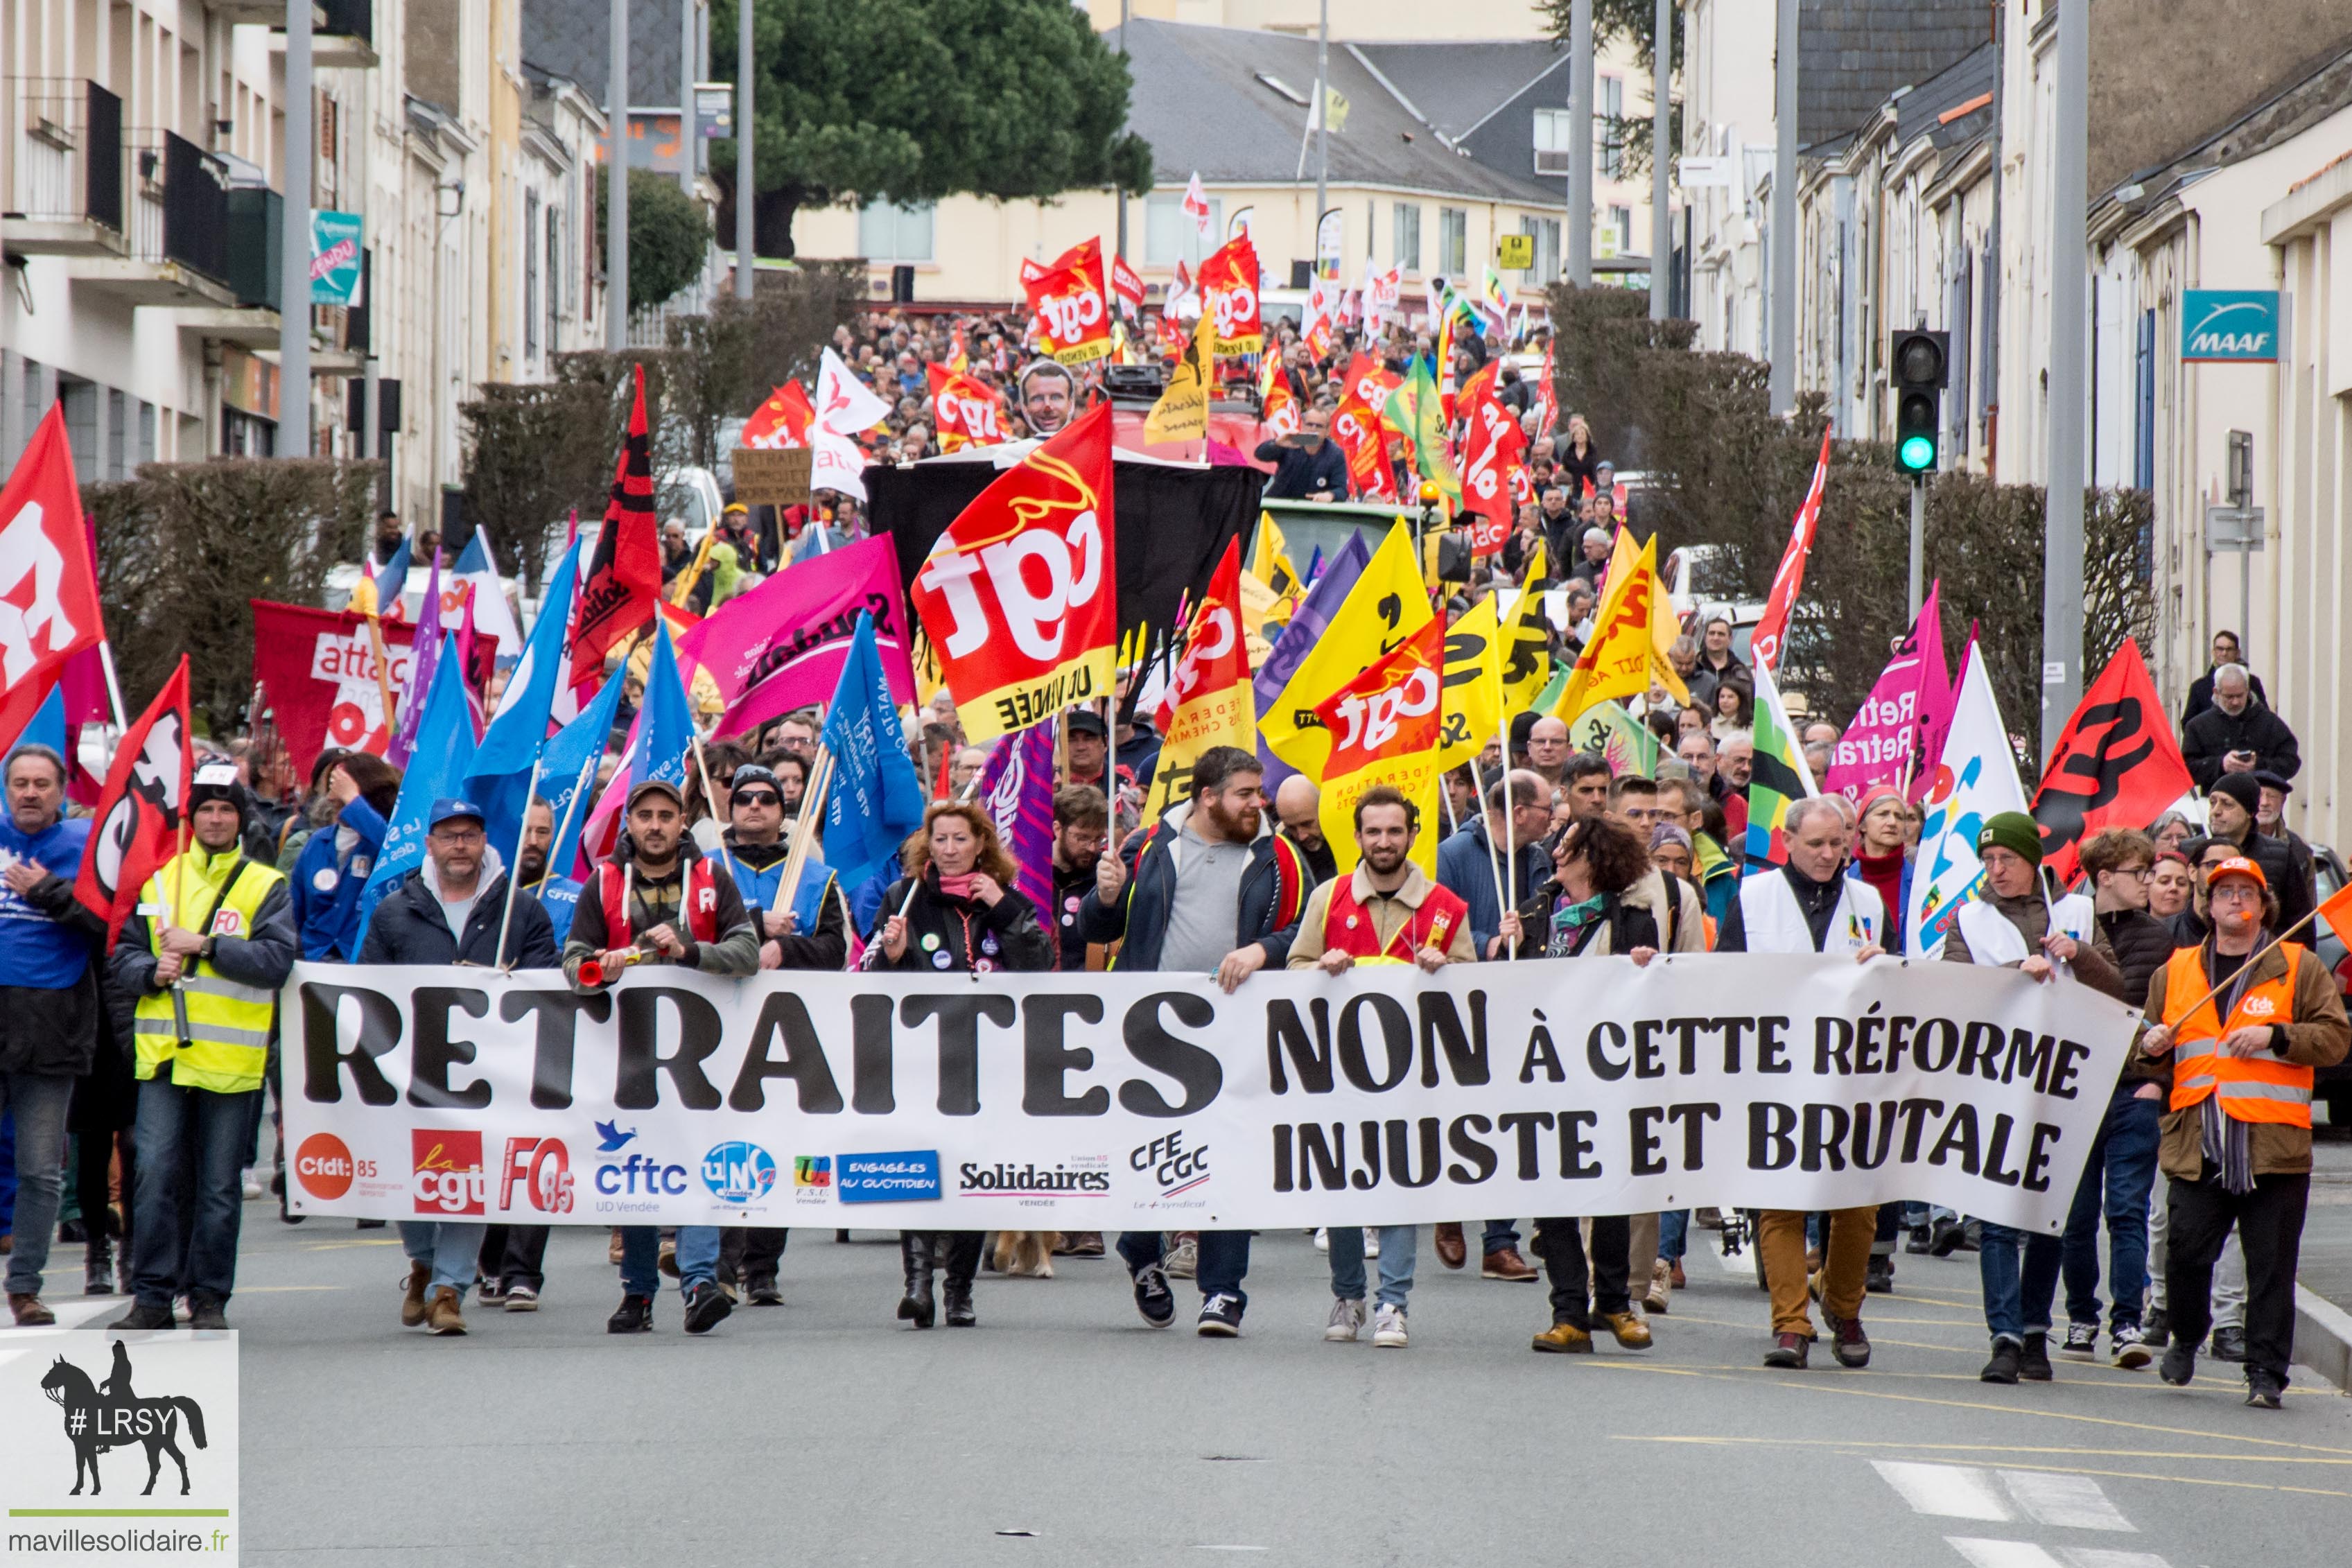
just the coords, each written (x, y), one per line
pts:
(109, 1415)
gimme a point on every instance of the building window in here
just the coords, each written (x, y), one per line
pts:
(1407, 253)
(1453, 241)
(1616, 235)
(1545, 231)
(1551, 140)
(146, 432)
(554, 269)
(889, 232)
(1609, 132)
(118, 434)
(80, 399)
(1168, 235)
(530, 275)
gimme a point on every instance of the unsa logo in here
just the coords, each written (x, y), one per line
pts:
(739, 1172)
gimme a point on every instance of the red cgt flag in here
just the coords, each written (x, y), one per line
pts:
(1491, 454)
(1773, 628)
(1363, 443)
(48, 583)
(2115, 764)
(623, 580)
(1071, 301)
(784, 420)
(1229, 285)
(1020, 594)
(963, 409)
(141, 809)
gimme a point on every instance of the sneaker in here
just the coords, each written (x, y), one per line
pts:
(2129, 1348)
(1153, 1299)
(1630, 1333)
(1184, 1258)
(489, 1293)
(143, 1320)
(762, 1292)
(442, 1317)
(707, 1307)
(1848, 1343)
(1504, 1263)
(1789, 1351)
(206, 1313)
(2033, 1358)
(1946, 1238)
(2156, 1329)
(1322, 1239)
(1221, 1318)
(2263, 1392)
(1387, 1329)
(251, 1184)
(2179, 1364)
(1371, 1243)
(635, 1315)
(2082, 1341)
(1880, 1279)
(2008, 1356)
(1662, 1285)
(412, 1297)
(1565, 1339)
(1347, 1320)
(521, 1299)
(2229, 1344)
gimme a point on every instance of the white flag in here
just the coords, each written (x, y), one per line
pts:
(836, 464)
(1976, 779)
(844, 405)
(1196, 202)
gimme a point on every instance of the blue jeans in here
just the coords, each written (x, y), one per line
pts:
(38, 1101)
(2013, 1291)
(1398, 1246)
(1222, 1259)
(447, 1246)
(1673, 1234)
(698, 1257)
(1499, 1235)
(207, 1134)
(2116, 1180)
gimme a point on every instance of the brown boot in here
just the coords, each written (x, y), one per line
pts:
(412, 1300)
(31, 1313)
(1451, 1250)
(443, 1316)
(613, 1252)
(1631, 1332)
(1564, 1338)
(1504, 1263)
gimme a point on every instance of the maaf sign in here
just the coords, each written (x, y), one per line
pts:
(2239, 324)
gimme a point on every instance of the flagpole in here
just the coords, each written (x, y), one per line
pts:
(382, 674)
(820, 783)
(113, 685)
(710, 801)
(514, 872)
(1509, 880)
(579, 788)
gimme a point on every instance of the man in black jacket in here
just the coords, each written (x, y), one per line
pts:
(2231, 802)
(1210, 890)
(2237, 734)
(2201, 690)
(1081, 824)
(450, 910)
(1309, 465)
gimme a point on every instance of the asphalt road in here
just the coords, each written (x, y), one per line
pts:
(1062, 1431)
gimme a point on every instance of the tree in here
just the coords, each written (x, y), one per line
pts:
(914, 101)
(669, 234)
(1635, 21)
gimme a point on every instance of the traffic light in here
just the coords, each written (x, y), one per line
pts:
(1920, 360)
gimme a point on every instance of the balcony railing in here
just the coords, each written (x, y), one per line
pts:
(179, 204)
(68, 140)
(349, 19)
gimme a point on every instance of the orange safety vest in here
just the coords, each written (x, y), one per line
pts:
(2252, 1088)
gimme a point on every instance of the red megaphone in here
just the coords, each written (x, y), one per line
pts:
(592, 971)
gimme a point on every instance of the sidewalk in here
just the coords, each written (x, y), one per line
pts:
(2323, 1338)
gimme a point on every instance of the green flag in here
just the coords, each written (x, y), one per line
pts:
(1553, 688)
(1624, 740)
(1427, 432)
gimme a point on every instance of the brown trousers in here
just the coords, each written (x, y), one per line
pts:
(1845, 1267)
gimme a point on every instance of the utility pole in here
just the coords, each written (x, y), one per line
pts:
(745, 191)
(294, 244)
(1322, 125)
(1118, 192)
(688, 138)
(1662, 227)
(1579, 143)
(1783, 257)
(2061, 531)
(616, 183)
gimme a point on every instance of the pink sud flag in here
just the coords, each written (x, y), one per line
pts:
(1887, 741)
(781, 645)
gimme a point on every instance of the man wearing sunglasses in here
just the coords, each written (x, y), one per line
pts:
(801, 928)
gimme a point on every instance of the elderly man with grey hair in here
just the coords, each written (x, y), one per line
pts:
(1810, 905)
(2237, 734)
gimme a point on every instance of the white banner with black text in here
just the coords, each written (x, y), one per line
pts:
(1124, 1101)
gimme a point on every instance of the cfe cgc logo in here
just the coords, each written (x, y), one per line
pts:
(448, 1177)
(739, 1172)
(1171, 1165)
(155, 1414)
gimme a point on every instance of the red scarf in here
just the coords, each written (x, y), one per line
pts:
(1884, 875)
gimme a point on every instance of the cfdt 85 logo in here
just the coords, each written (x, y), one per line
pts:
(739, 1172)
(449, 1178)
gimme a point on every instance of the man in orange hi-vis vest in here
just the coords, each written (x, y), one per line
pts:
(2243, 1021)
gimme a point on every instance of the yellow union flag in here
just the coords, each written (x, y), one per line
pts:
(1616, 662)
(1183, 411)
(1665, 627)
(1387, 605)
(1474, 685)
(1270, 565)
(1525, 650)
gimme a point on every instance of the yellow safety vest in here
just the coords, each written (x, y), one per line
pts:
(229, 1023)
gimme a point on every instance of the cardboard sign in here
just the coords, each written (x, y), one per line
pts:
(772, 475)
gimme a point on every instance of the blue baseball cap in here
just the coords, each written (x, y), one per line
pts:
(450, 809)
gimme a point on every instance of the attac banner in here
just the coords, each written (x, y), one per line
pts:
(1147, 1101)
(319, 668)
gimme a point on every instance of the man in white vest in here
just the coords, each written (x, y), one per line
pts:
(1810, 905)
(2011, 920)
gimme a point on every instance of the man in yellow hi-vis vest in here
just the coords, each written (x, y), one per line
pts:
(212, 938)
(2242, 1022)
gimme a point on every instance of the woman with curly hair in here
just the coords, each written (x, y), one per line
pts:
(955, 909)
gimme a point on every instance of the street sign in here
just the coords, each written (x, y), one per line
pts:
(772, 475)
(1515, 252)
(2231, 528)
(1705, 174)
(714, 110)
(2239, 324)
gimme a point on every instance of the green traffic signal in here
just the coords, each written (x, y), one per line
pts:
(1917, 454)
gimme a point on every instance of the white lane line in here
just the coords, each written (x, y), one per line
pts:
(2071, 1503)
(2105, 1557)
(1955, 1491)
(1983, 1553)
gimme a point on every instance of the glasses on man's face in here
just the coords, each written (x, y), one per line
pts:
(758, 797)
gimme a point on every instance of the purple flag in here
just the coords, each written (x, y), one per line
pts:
(1912, 701)
(1017, 790)
(1307, 624)
(427, 647)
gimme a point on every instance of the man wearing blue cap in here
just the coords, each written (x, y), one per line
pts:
(449, 910)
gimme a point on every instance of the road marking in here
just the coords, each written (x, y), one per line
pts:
(1203, 1547)
(1954, 1491)
(1706, 1438)
(2107, 1557)
(2070, 1503)
(1982, 1553)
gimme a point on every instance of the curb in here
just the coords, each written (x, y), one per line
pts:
(2323, 1338)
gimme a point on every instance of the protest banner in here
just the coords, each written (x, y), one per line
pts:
(1385, 1096)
